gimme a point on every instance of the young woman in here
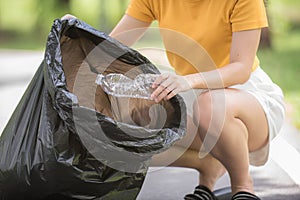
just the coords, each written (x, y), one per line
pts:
(237, 109)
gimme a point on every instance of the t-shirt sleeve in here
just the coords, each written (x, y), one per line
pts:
(248, 14)
(141, 10)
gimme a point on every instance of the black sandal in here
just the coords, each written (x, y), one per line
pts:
(201, 192)
(245, 196)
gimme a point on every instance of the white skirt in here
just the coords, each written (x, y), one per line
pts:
(270, 97)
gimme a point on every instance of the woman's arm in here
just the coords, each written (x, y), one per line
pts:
(243, 50)
(129, 30)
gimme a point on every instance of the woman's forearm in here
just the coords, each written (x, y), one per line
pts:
(129, 30)
(232, 74)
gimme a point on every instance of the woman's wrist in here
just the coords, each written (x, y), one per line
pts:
(195, 81)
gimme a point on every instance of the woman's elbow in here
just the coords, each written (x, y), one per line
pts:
(245, 74)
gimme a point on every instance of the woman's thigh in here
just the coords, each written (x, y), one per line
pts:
(236, 104)
(230, 103)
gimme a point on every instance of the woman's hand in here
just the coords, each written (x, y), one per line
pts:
(168, 85)
(68, 16)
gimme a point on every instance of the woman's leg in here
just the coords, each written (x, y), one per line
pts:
(185, 153)
(244, 129)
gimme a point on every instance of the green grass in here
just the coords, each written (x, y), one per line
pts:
(282, 63)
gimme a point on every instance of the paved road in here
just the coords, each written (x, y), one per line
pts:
(279, 179)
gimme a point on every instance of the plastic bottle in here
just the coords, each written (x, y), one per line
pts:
(120, 85)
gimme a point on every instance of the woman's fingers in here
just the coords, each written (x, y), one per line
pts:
(163, 94)
(159, 80)
(162, 85)
(165, 86)
(171, 94)
(68, 16)
(160, 92)
(168, 85)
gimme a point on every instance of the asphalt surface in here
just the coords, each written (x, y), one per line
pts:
(279, 179)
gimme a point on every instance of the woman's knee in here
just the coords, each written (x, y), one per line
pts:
(212, 109)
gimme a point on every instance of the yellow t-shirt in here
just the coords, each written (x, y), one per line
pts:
(197, 34)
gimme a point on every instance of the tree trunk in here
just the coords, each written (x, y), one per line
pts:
(265, 39)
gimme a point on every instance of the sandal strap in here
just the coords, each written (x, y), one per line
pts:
(201, 192)
(192, 197)
(245, 196)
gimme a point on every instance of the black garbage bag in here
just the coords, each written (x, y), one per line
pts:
(67, 139)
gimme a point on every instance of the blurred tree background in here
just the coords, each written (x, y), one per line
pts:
(281, 60)
(24, 24)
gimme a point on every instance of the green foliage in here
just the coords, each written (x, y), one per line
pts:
(86, 10)
(283, 15)
(18, 15)
(282, 63)
(47, 11)
(37, 15)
